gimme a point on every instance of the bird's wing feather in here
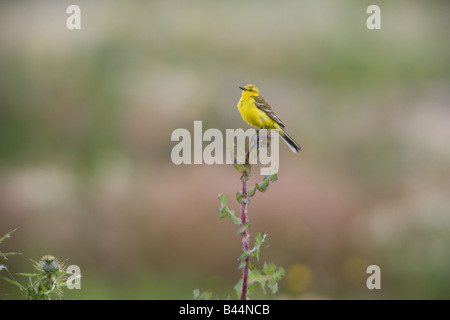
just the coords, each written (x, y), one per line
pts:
(264, 105)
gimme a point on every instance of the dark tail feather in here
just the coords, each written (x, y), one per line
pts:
(289, 141)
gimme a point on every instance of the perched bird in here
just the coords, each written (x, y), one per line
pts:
(258, 112)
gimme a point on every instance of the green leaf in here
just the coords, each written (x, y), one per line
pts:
(6, 235)
(223, 199)
(260, 238)
(223, 212)
(273, 286)
(244, 255)
(270, 276)
(9, 253)
(234, 219)
(244, 227)
(206, 295)
(28, 274)
(238, 167)
(238, 289)
(14, 282)
(251, 192)
(239, 196)
(242, 199)
(250, 288)
(269, 268)
(275, 274)
(245, 176)
(243, 168)
(262, 186)
(196, 294)
(256, 276)
(273, 177)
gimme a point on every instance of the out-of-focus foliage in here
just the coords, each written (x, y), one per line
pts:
(86, 118)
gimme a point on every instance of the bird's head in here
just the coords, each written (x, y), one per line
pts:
(249, 91)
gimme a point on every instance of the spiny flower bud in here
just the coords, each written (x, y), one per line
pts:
(49, 263)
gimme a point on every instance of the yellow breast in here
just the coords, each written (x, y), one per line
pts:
(254, 116)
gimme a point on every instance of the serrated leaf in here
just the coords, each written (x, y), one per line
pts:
(269, 268)
(270, 276)
(273, 286)
(256, 276)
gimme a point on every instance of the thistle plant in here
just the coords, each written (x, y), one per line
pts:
(46, 283)
(269, 275)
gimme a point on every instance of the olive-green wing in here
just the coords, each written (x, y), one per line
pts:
(264, 105)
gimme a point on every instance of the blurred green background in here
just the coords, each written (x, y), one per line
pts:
(86, 118)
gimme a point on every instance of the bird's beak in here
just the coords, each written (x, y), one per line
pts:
(242, 88)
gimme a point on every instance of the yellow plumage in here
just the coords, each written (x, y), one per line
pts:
(258, 112)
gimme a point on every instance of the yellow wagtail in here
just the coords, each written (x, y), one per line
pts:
(257, 112)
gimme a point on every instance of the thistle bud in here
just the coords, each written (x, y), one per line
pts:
(49, 263)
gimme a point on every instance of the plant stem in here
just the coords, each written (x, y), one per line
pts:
(246, 236)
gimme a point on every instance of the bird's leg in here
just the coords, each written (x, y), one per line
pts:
(257, 142)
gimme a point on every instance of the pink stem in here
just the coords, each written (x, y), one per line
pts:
(246, 236)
